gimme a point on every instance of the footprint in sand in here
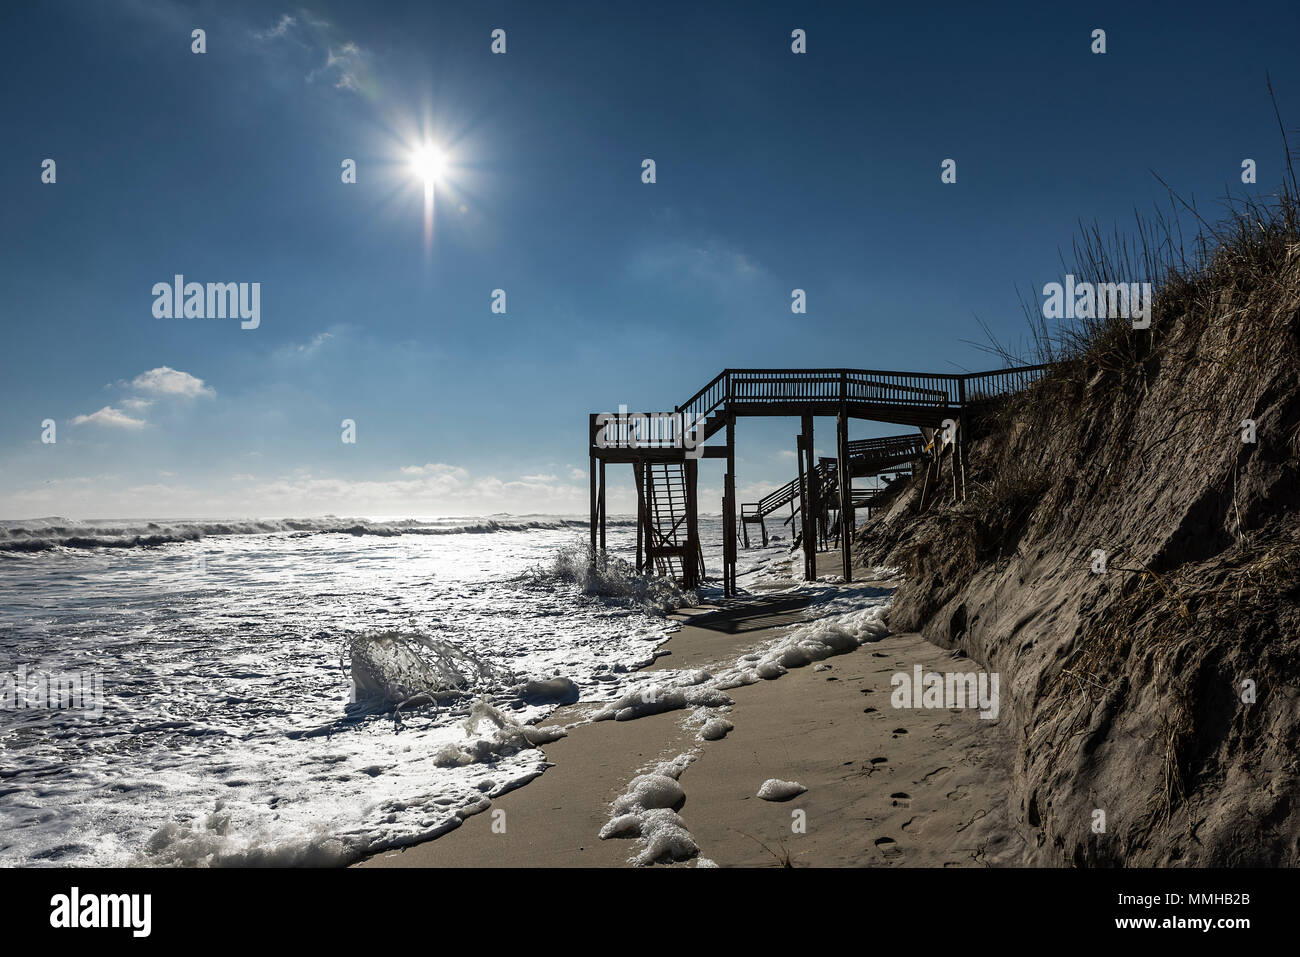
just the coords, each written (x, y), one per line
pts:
(899, 731)
(934, 772)
(879, 760)
(913, 825)
(868, 710)
(960, 792)
(901, 799)
(889, 848)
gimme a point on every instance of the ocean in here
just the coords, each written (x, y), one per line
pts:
(298, 692)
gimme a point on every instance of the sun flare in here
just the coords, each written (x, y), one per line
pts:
(431, 170)
(429, 163)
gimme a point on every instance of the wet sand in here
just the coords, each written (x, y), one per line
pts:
(886, 787)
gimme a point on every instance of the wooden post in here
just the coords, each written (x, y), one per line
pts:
(925, 483)
(729, 510)
(602, 505)
(638, 477)
(651, 537)
(961, 453)
(591, 442)
(815, 493)
(846, 495)
(811, 506)
(691, 561)
(823, 511)
(952, 461)
(728, 534)
(959, 450)
(803, 503)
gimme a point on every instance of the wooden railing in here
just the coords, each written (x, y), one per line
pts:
(790, 491)
(919, 390)
(980, 386)
(887, 446)
(709, 398)
(900, 388)
(644, 430)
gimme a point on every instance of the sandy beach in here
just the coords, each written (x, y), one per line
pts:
(886, 787)
(615, 437)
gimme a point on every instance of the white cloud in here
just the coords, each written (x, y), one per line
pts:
(155, 490)
(317, 341)
(436, 468)
(345, 62)
(167, 381)
(305, 350)
(110, 418)
(279, 30)
(431, 489)
(164, 382)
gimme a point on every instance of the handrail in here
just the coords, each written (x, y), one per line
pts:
(859, 449)
(914, 390)
(776, 385)
(789, 491)
(716, 380)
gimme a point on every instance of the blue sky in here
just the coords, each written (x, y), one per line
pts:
(774, 171)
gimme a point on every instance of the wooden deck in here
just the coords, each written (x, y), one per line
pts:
(664, 449)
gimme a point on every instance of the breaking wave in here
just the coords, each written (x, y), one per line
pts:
(406, 669)
(303, 700)
(609, 578)
(41, 535)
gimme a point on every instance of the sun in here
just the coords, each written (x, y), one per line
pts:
(429, 163)
(432, 169)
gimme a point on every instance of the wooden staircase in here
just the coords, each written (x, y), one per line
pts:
(666, 470)
(665, 507)
(867, 457)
